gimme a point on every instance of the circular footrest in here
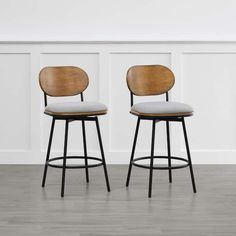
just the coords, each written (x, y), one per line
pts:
(75, 166)
(179, 166)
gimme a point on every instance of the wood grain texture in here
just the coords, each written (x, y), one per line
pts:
(93, 113)
(63, 80)
(88, 210)
(180, 114)
(146, 80)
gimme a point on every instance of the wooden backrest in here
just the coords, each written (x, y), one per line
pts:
(63, 80)
(145, 80)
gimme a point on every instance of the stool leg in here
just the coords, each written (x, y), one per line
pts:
(85, 151)
(169, 150)
(189, 156)
(103, 155)
(64, 159)
(132, 153)
(151, 158)
(48, 152)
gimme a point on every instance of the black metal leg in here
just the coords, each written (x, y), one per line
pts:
(85, 151)
(189, 156)
(48, 152)
(151, 158)
(103, 155)
(64, 159)
(169, 150)
(132, 153)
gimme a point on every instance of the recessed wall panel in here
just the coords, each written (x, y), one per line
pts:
(15, 101)
(122, 125)
(89, 62)
(209, 85)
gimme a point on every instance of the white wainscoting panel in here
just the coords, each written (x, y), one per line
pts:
(89, 62)
(15, 102)
(122, 123)
(205, 78)
(209, 85)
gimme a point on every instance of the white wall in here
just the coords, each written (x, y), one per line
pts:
(123, 19)
(195, 38)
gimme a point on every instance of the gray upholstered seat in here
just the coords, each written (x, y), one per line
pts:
(162, 109)
(76, 108)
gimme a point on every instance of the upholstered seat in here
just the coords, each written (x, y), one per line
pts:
(76, 109)
(162, 109)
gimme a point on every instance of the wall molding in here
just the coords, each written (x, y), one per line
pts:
(133, 40)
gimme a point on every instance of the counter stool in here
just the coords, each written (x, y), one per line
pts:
(70, 81)
(146, 80)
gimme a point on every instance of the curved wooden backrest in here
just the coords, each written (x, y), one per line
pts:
(60, 81)
(145, 80)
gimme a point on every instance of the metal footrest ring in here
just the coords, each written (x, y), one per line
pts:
(75, 166)
(175, 166)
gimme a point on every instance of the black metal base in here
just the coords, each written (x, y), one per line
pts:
(74, 166)
(178, 166)
(51, 161)
(151, 166)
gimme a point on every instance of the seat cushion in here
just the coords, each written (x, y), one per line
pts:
(76, 109)
(161, 109)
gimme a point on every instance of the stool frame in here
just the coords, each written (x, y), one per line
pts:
(49, 161)
(134, 161)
